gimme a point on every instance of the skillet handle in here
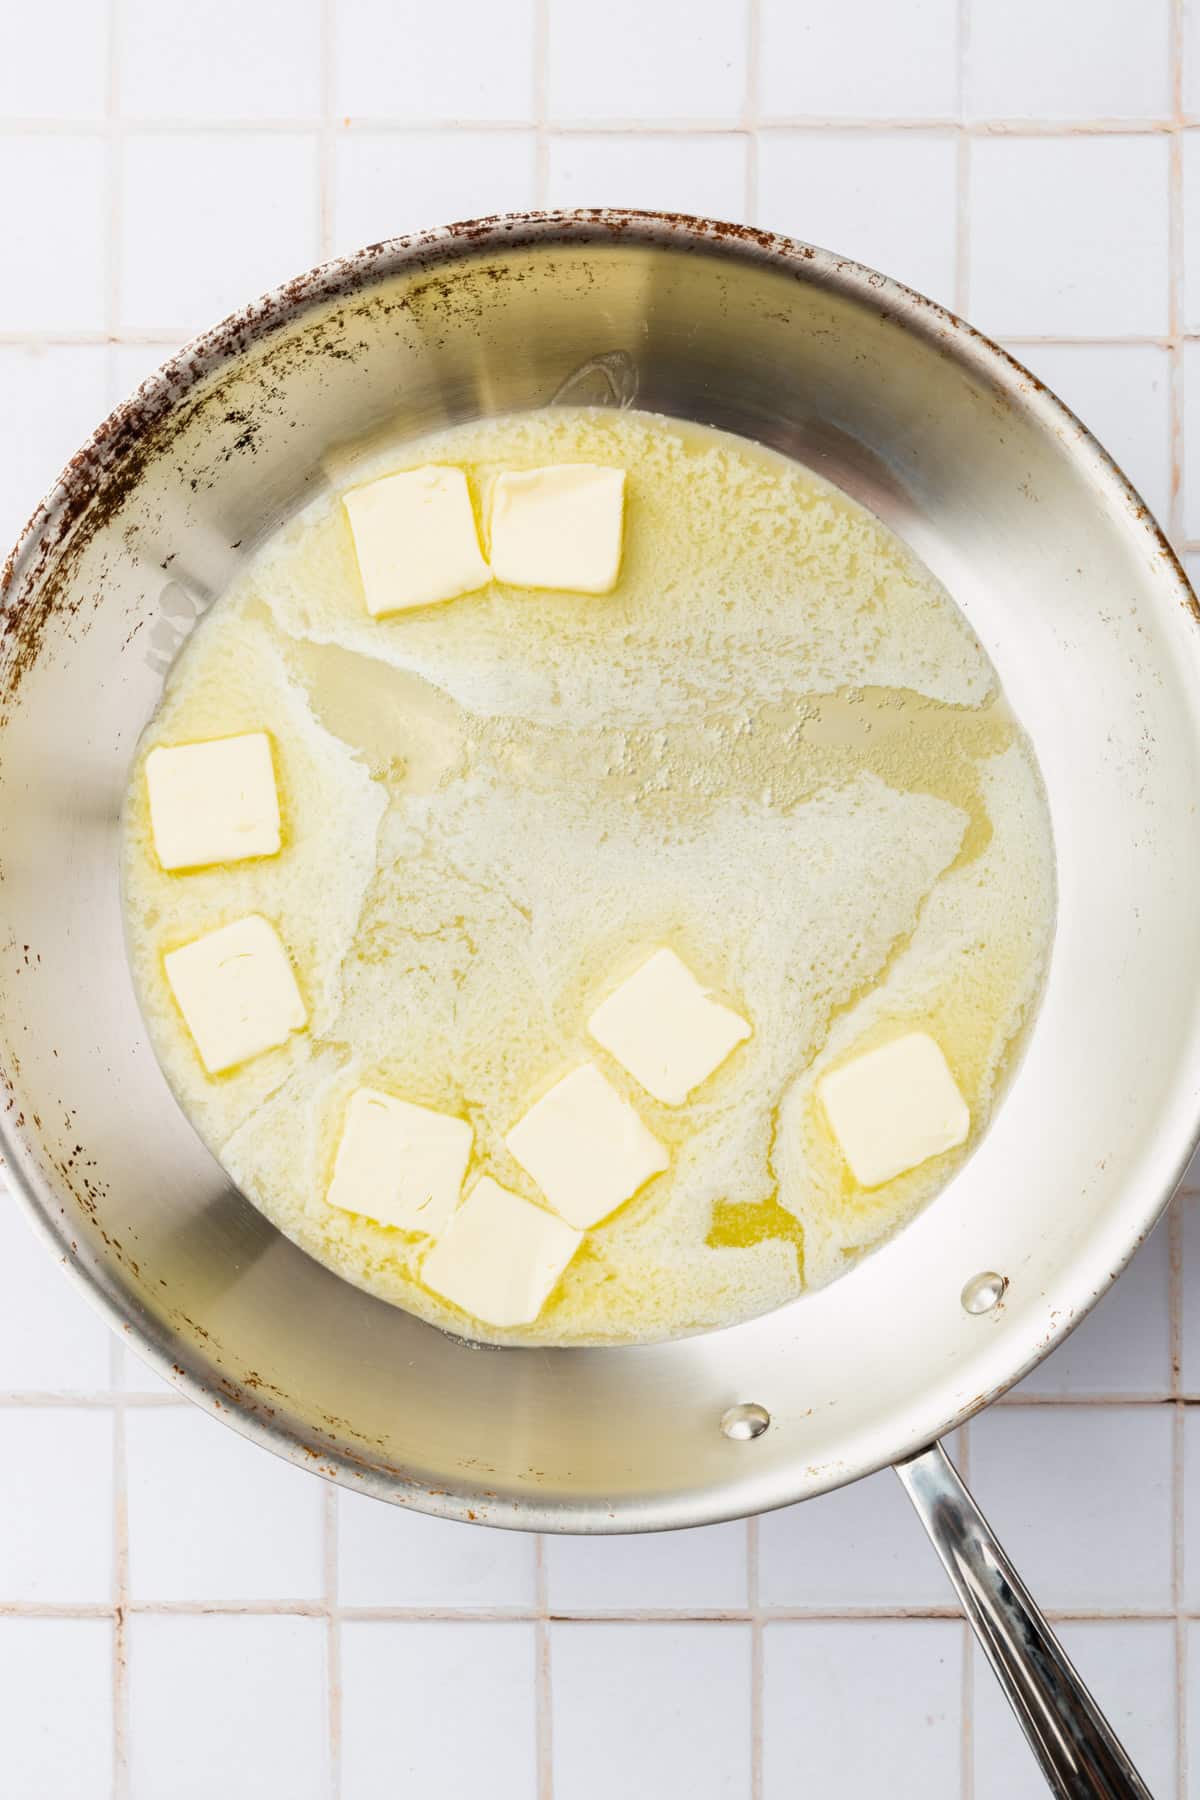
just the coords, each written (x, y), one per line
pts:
(1074, 1743)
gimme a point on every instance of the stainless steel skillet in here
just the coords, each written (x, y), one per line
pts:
(1082, 607)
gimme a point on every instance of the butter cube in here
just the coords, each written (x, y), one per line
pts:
(558, 527)
(666, 1029)
(236, 991)
(213, 802)
(585, 1147)
(500, 1257)
(399, 1164)
(415, 537)
(894, 1108)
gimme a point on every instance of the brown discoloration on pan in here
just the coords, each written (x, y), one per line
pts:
(35, 589)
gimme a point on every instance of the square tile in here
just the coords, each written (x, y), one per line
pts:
(388, 1556)
(50, 1338)
(179, 61)
(58, 1709)
(1191, 57)
(51, 72)
(651, 1709)
(387, 184)
(1189, 1206)
(230, 1706)
(859, 60)
(250, 222)
(689, 172)
(51, 399)
(885, 198)
(647, 62)
(1069, 236)
(213, 1517)
(1191, 1509)
(1121, 392)
(433, 1708)
(1128, 1665)
(56, 1506)
(860, 1546)
(1124, 1345)
(1191, 230)
(47, 285)
(1081, 1500)
(1048, 59)
(863, 1707)
(403, 60)
(1191, 440)
(685, 1571)
(1190, 1723)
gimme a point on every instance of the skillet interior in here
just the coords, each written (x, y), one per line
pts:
(1072, 592)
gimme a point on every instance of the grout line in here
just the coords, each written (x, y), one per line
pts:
(1140, 340)
(498, 1615)
(756, 1658)
(1018, 1398)
(1175, 1320)
(90, 1402)
(172, 337)
(541, 90)
(1175, 298)
(1177, 1570)
(962, 224)
(114, 175)
(62, 1609)
(543, 1688)
(962, 166)
(121, 1610)
(1181, 1712)
(121, 1606)
(1174, 1225)
(967, 1763)
(37, 340)
(325, 147)
(750, 113)
(293, 125)
(115, 172)
(333, 1638)
(1016, 128)
(98, 1400)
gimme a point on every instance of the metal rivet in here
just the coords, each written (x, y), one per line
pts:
(984, 1291)
(747, 1421)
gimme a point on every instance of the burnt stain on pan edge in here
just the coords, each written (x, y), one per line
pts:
(103, 475)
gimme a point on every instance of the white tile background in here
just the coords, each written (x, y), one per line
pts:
(180, 1615)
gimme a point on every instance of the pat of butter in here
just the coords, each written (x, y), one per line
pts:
(666, 1029)
(236, 991)
(399, 1164)
(894, 1108)
(213, 802)
(558, 527)
(415, 537)
(500, 1257)
(585, 1147)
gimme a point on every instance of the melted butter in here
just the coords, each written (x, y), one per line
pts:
(777, 747)
(739, 1227)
